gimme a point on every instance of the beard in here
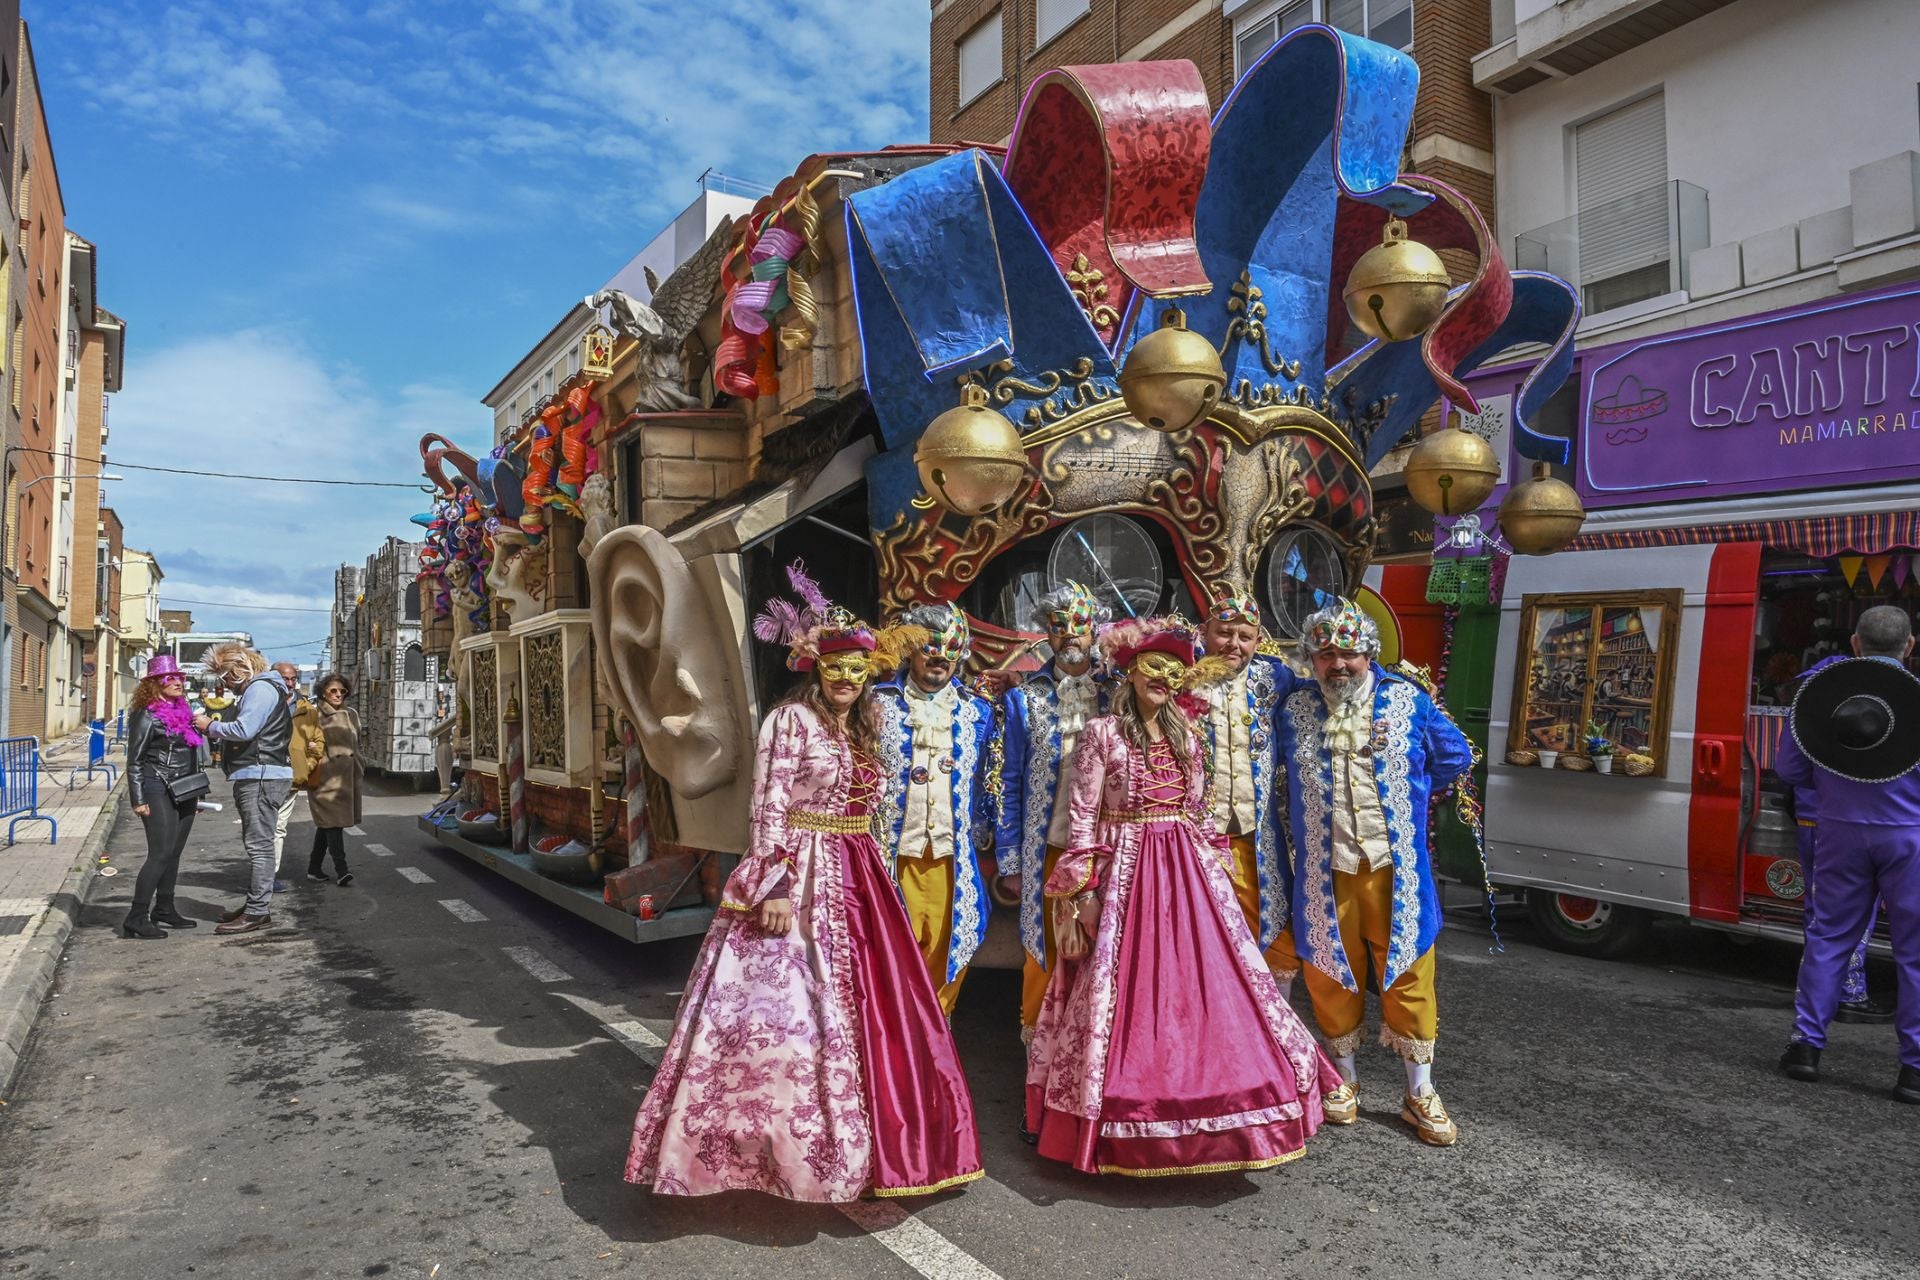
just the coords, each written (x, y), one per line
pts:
(1340, 688)
(1073, 655)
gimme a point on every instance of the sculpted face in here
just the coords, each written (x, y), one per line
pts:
(1235, 640)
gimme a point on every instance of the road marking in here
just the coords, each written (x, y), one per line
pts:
(355, 831)
(379, 851)
(891, 1226)
(537, 965)
(915, 1243)
(462, 911)
(414, 874)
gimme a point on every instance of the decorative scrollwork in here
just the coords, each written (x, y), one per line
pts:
(1085, 280)
(1248, 396)
(1362, 420)
(547, 701)
(484, 666)
(1250, 321)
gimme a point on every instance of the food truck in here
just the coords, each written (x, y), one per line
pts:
(1750, 488)
(1144, 347)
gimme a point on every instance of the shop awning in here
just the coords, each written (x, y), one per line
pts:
(1819, 536)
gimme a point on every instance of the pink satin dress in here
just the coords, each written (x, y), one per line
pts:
(816, 1064)
(1167, 1049)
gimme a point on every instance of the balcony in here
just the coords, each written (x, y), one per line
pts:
(1624, 251)
(1537, 40)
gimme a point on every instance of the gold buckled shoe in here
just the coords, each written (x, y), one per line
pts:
(1342, 1106)
(1430, 1120)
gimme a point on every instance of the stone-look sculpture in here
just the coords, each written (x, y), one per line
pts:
(660, 384)
(518, 575)
(653, 629)
(465, 600)
(596, 504)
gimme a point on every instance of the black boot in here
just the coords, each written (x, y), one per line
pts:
(1867, 1010)
(164, 913)
(139, 925)
(1801, 1061)
(1907, 1087)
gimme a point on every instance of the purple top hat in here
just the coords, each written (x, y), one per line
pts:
(161, 665)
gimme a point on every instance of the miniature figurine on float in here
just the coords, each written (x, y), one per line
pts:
(936, 808)
(1163, 1045)
(810, 1058)
(1041, 720)
(1238, 728)
(1366, 751)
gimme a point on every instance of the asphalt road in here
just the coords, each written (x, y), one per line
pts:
(380, 1086)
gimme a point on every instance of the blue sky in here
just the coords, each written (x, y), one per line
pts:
(332, 227)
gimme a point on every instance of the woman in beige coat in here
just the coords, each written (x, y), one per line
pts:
(333, 786)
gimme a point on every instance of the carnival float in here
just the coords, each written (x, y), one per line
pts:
(1148, 345)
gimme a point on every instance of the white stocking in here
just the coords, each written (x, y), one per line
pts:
(1419, 1078)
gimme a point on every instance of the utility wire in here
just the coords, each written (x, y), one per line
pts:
(228, 604)
(216, 475)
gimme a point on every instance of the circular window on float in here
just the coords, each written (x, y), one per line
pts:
(1115, 558)
(1305, 573)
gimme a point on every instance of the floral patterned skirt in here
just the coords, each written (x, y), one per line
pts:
(814, 1065)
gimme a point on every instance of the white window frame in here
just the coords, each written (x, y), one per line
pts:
(1064, 14)
(1255, 15)
(977, 37)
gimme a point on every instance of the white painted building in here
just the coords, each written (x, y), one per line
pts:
(555, 358)
(1689, 161)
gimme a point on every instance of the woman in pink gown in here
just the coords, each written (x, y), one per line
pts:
(1163, 1046)
(810, 1058)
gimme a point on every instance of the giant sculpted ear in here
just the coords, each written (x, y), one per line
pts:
(655, 627)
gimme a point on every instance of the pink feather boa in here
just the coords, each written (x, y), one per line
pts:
(176, 717)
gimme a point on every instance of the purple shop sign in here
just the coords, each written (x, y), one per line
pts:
(1805, 398)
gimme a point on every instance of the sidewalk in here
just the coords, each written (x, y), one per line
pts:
(42, 885)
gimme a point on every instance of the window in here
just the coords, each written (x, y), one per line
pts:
(980, 59)
(1305, 574)
(1390, 22)
(1621, 200)
(413, 664)
(1051, 17)
(1604, 659)
(410, 601)
(1115, 557)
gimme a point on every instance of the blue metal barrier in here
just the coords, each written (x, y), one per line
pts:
(96, 755)
(20, 785)
(119, 727)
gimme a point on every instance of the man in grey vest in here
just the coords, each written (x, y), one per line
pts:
(257, 742)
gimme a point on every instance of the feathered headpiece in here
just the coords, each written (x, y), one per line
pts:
(1173, 636)
(814, 626)
(1341, 625)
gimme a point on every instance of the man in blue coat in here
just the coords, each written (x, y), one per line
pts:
(1852, 739)
(1365, 750)
(936, 811)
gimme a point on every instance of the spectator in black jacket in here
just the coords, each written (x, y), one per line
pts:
(162, 746)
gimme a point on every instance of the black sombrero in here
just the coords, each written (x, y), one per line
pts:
(1859, 718)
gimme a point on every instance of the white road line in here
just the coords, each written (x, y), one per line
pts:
(915, 1243)
(355, 831)
(537, 965)
(379, 851)
(898, 1231)
(462, 911)
(414, 874)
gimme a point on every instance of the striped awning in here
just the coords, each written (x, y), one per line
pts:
(1765, 727)
(1818, 536)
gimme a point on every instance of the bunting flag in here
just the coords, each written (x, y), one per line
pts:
(1901, 566)
(1877, 569)
(1850, 567)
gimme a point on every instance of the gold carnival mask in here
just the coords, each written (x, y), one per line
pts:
(1160, 666)
(854, 668)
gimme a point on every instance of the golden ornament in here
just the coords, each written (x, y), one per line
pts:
(1398, 288)
(969, 458)
(1173, 376)
(1451, 472)
(1542, 515)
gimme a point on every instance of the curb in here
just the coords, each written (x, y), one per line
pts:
(25, 990)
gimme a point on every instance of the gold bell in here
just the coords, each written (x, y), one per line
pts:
(969, 458)
(1172, 377)
(1398, 288)
(1451, 472)
(1542, 515)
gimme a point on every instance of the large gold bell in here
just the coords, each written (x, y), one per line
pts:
(1542, 515)
(1398, 288)
(1452, 472)
(969, 458)
(1172, 377)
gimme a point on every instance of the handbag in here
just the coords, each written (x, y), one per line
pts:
(188, 786)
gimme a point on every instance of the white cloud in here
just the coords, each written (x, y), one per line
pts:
(259, 402)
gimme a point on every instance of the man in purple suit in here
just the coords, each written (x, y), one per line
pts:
(1854, 739)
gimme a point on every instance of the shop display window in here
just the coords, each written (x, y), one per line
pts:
(1602, 659)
